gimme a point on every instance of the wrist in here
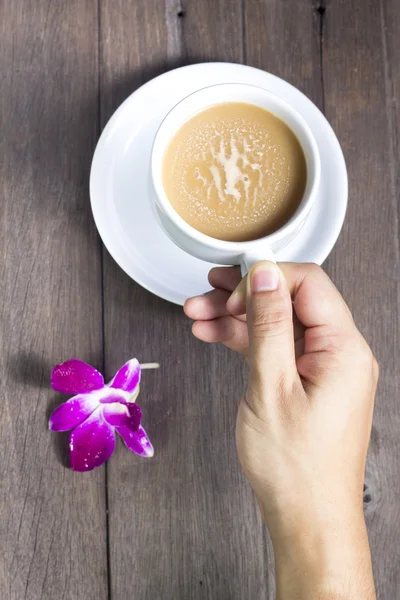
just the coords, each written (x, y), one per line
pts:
(322, 554)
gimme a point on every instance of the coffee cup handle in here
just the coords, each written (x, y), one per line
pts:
(248, 259)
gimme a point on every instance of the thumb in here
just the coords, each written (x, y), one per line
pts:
(270, 325)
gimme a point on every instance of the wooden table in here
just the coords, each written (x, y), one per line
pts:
(183, 525)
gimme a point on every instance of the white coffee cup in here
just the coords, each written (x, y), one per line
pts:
(203, 246)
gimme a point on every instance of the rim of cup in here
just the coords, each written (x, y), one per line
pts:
(221, 93)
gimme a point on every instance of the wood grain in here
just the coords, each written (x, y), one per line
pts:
(359, 50)
(213, 31)
(283, 37)
(52, 521)
(390, 25)
(183, 525)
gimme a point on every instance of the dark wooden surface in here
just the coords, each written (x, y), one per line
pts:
(183, 525)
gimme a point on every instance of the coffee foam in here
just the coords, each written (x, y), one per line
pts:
(231, 170)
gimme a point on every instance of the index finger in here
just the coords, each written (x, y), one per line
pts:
(316, 299)
(226, 278)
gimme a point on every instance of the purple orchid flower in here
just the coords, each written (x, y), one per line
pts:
(97, 411)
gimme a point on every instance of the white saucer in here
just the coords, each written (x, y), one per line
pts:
(119, 182)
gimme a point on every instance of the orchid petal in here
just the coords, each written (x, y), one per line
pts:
(77, 409)
(91, 443)
(135, 417)
(128, 377)
(116, 414)
(120, 415)
(109, 396)
(73, 412)
(136, 441)
(75, 377)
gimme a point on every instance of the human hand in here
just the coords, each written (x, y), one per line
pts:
(303, 425)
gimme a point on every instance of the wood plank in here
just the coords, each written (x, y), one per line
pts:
(359, 52)
(139, 40)
(282, 37)
(52, 525)
(390, 23)
(185, 524)
(213, 31)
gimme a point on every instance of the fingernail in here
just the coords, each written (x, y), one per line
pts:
(265, 278)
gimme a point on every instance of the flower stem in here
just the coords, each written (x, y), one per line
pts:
(153, 365)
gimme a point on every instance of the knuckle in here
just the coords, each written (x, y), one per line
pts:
(314, 269)
(365, 355)
(270, 321)
(375, 368)
(331, 340)
(362, 355)
(318, 370)
(349, 344)
(345, 344)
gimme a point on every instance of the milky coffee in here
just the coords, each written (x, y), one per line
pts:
(235, 172)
